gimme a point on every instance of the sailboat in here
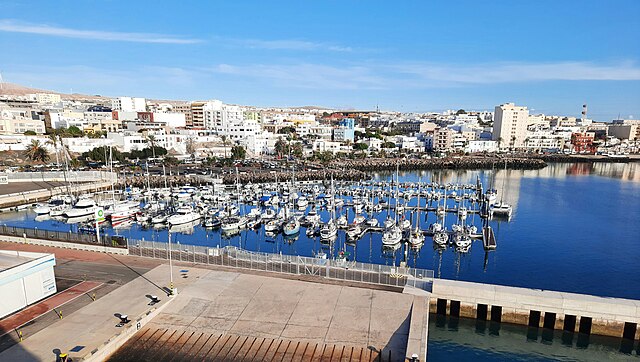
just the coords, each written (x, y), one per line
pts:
(329, 231)
(502, 208)
(416, 239)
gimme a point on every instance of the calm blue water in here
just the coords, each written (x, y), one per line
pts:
(575, 227)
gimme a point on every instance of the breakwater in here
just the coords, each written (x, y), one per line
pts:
(325, 174)
(463, 163)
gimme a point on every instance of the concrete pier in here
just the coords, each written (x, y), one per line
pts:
(571, 312)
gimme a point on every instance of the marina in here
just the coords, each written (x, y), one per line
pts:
(488, 246)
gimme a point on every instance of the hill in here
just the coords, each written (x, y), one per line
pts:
(12, 89)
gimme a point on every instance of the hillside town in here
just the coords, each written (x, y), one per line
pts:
(213, 129)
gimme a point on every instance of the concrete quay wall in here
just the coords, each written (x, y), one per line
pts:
(28, 197)
(572, 312)
(65, 245)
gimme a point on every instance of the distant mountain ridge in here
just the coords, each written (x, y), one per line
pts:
(12, 89)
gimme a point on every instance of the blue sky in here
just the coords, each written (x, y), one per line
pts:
(403, 55)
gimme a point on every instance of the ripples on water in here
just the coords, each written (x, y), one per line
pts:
(575, 227)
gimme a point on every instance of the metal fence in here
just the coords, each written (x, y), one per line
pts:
(69, 237)
(75, 176)
(290, 264)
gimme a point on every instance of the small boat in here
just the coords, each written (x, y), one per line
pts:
(328, 231)
(392, 236)
(183, 215)
(354, 231)
(342, 221)
(233, 223)
(372, 222)
(291, 227)
(84, 207)
(273, 226)
(42, 209)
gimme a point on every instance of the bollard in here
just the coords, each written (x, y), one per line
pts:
(20, 336)
(93, 296)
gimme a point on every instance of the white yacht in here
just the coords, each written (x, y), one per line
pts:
(392, 236)
(233, 223)
(183, 215)
(291, 227)
(502, 209)
(84, 207)
(329, 231)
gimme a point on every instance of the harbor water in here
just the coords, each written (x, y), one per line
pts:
(574, 228)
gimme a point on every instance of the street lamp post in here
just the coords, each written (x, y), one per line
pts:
(173, 290)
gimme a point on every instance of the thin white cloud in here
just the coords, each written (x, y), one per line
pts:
(284, 44)
(8, 25)
(313, 76)
(414, 75)
(519, 72)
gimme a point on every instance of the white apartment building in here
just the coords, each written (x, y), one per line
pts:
(544, 140)
(478, 146)
(45, 98)
(129, 104)
(510, 125)
(12, 124)
(66, 119)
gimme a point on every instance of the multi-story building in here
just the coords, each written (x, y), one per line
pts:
(346, 131)
(510, 126)
(625, 129)
(185, 108)
(197, 115)
(129, 104)
(45, 98)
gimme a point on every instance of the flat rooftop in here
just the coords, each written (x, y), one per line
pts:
(8, 261)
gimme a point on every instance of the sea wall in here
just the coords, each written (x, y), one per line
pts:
(571, 312)
(470, 163)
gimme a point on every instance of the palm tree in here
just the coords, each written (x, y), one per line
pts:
(37, 152)
(151, 139)
(53, 140)
(224, 144)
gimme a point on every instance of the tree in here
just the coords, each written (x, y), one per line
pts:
(360, 146)
(238, 153)
(36, 152)
(29, 133)
(225, 139)
(74, 131)
(53, 140)
(281, 147)
(151, 139)
(287, 130)
(171, 161)
(388, 145)
(460, 111)
(297, 150)
(191, 147)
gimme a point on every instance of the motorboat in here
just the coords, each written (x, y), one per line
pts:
(354, 231)
(359, 219)
(291, 227)
(269, 214)
(273, 225)
(42, 209)
(233, 223)
(435, 227)
(372, 222)
(183, 215)
(416, 239)
(328, 231)
(501, 209)
(312, 217)
(342, 221)
(392, 236)
(84, 207)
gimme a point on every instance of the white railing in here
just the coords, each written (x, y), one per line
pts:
(72, 176)
(291, 264)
